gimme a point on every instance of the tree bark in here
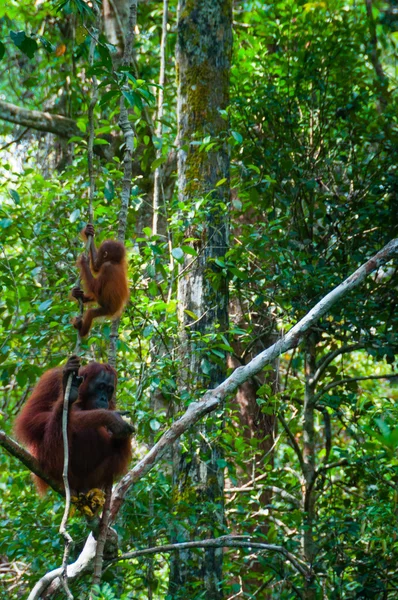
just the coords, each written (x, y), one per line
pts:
(204, 43)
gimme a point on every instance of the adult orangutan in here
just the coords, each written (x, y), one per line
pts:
(99, 438)
(109, 288)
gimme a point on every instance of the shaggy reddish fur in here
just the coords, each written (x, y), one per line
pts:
(110, 286)
(95, 457)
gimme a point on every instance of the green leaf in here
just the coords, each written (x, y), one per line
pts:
(178, 253)
(146, 94)
(26, 44)
(4, 223)
(46, 44)
(109, 190)
(108, 96)
(74, 215)
(237, 136)
(218, 353)
(154, 425)
(157, 162)
(132, 98)
(44, 305)
(132, 78)
(82, 125)
(2, 50)
(148, 330)
(189, 250)
(15, 196)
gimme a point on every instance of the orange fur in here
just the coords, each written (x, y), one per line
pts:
(95, 456)
(105, 282)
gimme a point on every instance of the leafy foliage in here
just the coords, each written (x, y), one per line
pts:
(314, 194)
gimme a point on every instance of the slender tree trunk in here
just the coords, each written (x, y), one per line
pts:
(204, 43)
(309, 546)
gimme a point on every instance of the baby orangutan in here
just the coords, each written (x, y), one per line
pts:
(109, 286)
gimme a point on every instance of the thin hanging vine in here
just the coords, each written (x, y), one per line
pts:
(68, 541)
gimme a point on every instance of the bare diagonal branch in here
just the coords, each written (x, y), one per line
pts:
(213, 398)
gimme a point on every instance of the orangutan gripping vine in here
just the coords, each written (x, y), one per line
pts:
(109, 288)
(99, 438)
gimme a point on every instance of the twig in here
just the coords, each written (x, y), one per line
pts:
(328, 433)
(16, 140)
(264, 488)
(326, 360)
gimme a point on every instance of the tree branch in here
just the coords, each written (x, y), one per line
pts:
(213, 398)
(79, 566)
(225, 541)
(326, 360)
(272, 488)
(41, 121)
(28, 460)
(351, 379)
(16, 140)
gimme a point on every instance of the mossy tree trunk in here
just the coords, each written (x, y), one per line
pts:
(204, 42)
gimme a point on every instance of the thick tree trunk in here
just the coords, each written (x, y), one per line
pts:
(203, 62)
